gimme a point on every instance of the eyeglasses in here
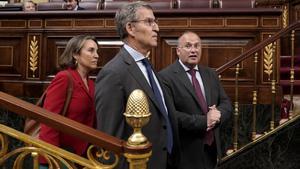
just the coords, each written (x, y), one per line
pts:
(189, 46)
(148, 21)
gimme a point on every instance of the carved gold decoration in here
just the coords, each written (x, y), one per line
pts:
(56, 157)
(4, 145)
(33, 55)
(103, 155)
(137, 115)
(285, 17)
(138, 161)
(268, 60)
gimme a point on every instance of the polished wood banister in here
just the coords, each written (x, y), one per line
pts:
(257, 47)
(66, 125)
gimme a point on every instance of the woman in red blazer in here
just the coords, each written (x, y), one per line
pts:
(78, 59)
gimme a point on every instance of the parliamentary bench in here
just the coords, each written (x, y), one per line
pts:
(156, 4)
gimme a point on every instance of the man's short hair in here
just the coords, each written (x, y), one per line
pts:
(127, 13)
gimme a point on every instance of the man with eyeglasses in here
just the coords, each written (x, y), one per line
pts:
(201, 103)
(130, 69)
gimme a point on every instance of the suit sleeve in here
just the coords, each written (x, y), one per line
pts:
(187, 121)
(54, 102)
(109, 102)
(224, 105)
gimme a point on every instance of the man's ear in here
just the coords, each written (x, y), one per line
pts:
(177, 51)
(130, 28)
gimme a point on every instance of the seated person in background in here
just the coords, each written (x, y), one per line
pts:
(29, 6)
(72, 5)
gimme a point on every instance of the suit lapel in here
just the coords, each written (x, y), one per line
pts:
(135, 71)
(77, 79)
(183, 78)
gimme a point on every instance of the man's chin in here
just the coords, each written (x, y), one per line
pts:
(154, 45)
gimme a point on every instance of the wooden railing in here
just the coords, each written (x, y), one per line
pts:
(268, 53)
(249, 53)
(102, 144)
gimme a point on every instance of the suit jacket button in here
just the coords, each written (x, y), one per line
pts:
(165, 149)
(164, 127)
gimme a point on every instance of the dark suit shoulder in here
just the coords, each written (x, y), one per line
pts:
(80, 8)
(169, 69)
(207, 69)
(116, 61)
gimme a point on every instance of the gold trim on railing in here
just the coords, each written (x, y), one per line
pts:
(55, 156)
(292, 72)
(263, 137)
(254, 102)
(254, 115)
(273, 88)
(4, 145)
(236, 109)
(33, 51)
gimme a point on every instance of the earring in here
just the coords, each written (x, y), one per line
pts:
(76, 63)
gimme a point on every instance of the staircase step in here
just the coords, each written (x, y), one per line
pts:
(285, 84)
(285, 61)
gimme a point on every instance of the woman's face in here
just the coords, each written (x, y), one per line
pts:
(88, 57)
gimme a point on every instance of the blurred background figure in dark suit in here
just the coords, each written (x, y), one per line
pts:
(73, 5)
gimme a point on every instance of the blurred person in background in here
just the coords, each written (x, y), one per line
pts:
(29, 6)
(72, 5)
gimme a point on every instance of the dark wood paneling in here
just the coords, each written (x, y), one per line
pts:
(225, 34)
(12, 57)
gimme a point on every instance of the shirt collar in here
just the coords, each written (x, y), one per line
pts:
(187, 68)
(137, 56)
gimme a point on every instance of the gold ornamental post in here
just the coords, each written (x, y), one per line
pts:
(137, 115)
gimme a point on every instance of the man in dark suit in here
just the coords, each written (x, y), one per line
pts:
(72, 5)
(201, 104)
(129, 70)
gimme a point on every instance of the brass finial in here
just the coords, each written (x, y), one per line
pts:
(137, 115)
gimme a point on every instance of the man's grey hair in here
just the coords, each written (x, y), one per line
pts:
(127, 13)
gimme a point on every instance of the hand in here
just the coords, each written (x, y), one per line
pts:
(213, 117)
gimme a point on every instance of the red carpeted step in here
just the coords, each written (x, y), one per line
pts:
(285, 84)
(285, 73)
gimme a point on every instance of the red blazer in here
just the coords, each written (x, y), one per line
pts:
(81, 109)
